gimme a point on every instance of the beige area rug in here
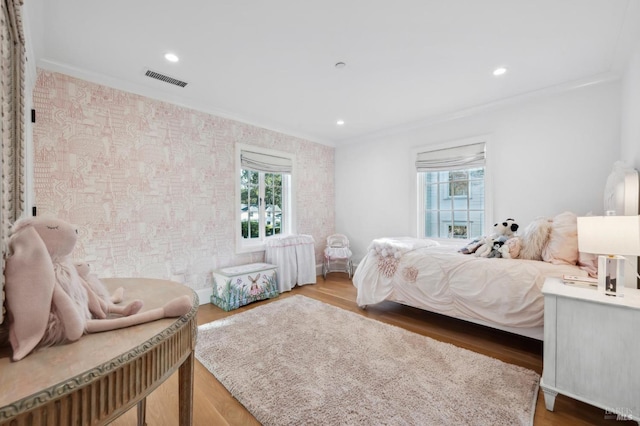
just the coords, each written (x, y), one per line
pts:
(298, 361)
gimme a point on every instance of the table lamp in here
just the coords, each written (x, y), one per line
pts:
(611, 237)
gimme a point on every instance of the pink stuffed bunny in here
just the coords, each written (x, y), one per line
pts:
(101, 303)
(47, 303)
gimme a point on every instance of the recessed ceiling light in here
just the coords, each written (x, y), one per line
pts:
(171, 57)
(340, 122)
(340, 65)
(499, 71)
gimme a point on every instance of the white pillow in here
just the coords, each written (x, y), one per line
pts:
(535, 238)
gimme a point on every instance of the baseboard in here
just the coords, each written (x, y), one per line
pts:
(319, 268)
(204, 295)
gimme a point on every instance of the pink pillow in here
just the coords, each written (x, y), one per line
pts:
(562, 247)
(588, 262)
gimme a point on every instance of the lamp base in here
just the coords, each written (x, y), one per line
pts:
(611, 275)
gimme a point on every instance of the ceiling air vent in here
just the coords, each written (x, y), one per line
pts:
(165, 78)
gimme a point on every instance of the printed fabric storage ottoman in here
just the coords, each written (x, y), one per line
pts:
(237, 286)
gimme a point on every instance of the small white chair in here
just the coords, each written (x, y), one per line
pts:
(337, 256)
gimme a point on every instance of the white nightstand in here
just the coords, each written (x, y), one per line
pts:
(592, 348)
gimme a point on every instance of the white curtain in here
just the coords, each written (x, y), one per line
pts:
(12, 63)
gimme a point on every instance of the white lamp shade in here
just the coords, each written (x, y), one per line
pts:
(610, 235)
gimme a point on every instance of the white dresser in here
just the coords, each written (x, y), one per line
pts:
(592, 348)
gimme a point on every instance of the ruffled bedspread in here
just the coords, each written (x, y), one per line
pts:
(396, 247)
(424, 274)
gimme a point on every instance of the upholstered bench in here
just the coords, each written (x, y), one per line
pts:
(237, 286)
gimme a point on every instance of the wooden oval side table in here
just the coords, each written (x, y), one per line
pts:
(101, 376)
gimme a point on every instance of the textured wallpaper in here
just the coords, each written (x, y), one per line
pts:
(150, 185)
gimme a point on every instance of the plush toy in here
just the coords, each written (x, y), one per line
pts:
(473, 246)
(483, 249)
(502, 231)
(498, 243)
(491, 246)
(47, 303)
(84, 271)
(101, 303)
(507, 228)
(511, 248)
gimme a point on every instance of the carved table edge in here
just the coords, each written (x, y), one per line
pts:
(45, 396)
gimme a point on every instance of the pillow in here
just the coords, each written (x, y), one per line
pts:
(534, 238)
(562, 247)
(511, 248)
(588, 262)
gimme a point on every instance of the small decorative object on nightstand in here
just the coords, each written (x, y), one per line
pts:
(611, 237)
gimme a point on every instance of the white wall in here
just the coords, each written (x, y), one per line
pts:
(630, 114)
(630, 118)
(545, 155)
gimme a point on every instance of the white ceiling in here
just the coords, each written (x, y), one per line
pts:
(272, 63)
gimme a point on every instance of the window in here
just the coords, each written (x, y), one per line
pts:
(265, 196)
(451, 191)
(458, 184)
(260, 189)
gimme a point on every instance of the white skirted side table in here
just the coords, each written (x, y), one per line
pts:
(102, 375)
(295, 257)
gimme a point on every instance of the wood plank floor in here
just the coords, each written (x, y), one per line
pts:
(213, 405)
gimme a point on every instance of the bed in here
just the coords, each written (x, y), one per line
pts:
(497, 292)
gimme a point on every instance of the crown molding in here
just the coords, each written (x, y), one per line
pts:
(486, 107)
(152, 93)
(149, 92)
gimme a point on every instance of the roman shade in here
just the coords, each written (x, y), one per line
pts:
(268, 163)
(455, 158)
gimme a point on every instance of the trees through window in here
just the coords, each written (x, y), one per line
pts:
(261, 199)
(264, 195)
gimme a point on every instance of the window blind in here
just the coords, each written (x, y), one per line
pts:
(265, 162)
(456, 158)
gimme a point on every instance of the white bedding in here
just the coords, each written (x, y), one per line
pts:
(423, 274)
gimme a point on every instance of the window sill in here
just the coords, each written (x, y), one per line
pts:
(250, 248)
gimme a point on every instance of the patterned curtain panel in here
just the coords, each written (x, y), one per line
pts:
(12, 61)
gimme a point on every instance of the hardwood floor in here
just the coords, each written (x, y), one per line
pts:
(213, 405)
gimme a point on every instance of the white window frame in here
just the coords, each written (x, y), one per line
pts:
(418, 186)
(255, 245)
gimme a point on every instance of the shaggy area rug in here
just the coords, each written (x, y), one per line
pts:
(299, 361)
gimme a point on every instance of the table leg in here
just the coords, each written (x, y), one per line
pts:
(549, 398)
(185, 389)
(142, 412)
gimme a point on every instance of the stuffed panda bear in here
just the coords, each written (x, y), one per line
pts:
(506, 228)
(483, 246)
